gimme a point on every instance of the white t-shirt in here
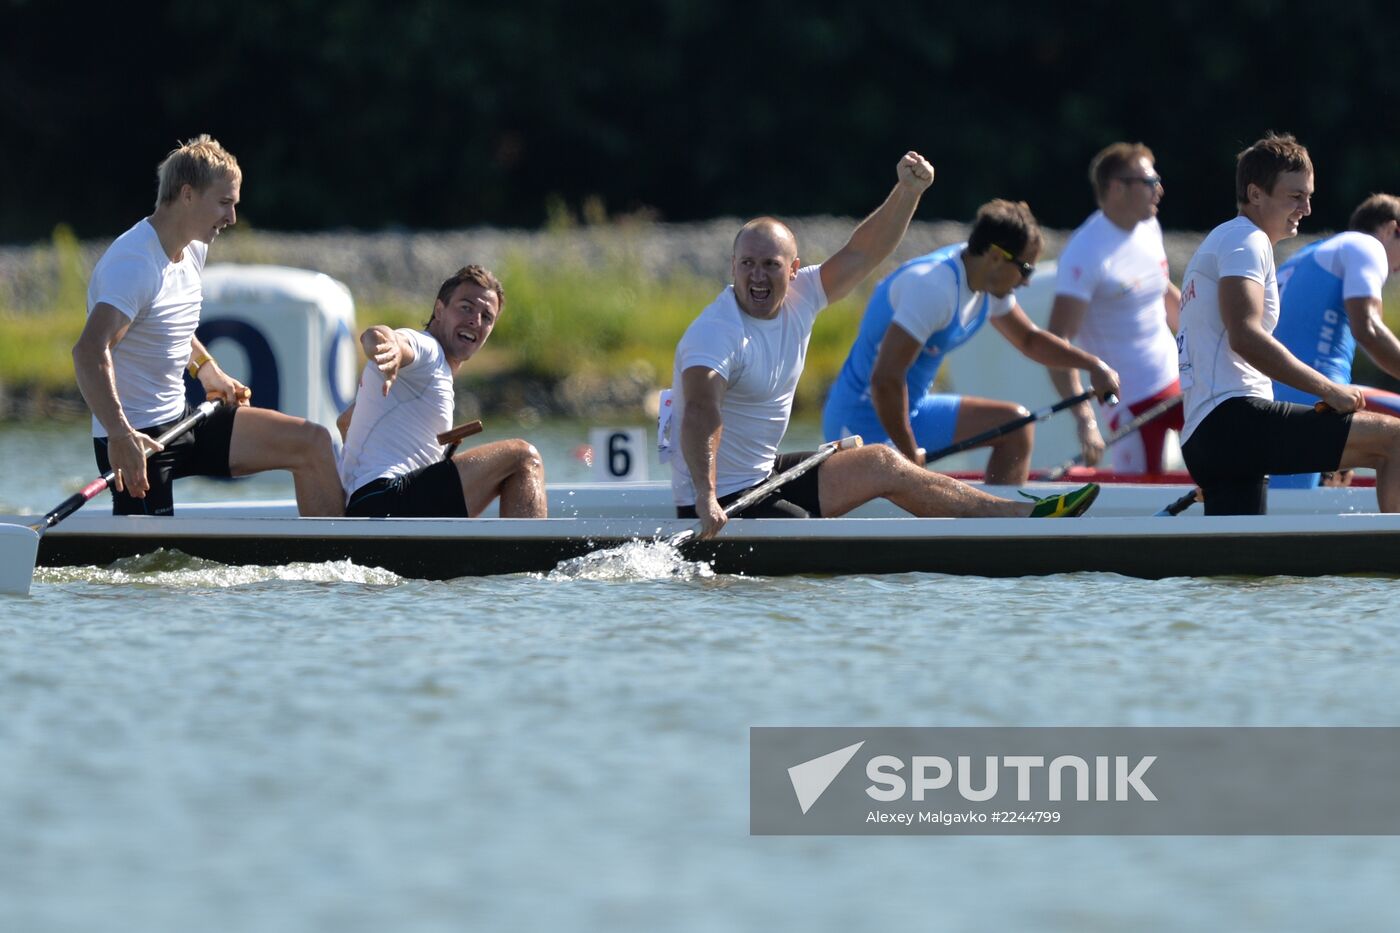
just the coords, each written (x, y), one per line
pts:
(925, 297)
(760, 362)
(1122, 274)
(1210, 371)
(162, 299)
(397, 434)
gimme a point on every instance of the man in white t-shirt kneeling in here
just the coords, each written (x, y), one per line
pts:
(1236, 434)
(392, 464)
(143, 309)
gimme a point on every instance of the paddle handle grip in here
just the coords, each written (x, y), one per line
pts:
(454, 437)
(108, 480)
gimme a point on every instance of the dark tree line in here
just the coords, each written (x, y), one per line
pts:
(433, 114)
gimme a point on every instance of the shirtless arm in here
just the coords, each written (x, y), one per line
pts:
(875, 237)
(701, 429)
(1242, 313)
(97, 381)
(889, 389)
(1066, 317)
(1047, 349)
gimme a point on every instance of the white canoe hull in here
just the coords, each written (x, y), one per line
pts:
(1308, 533)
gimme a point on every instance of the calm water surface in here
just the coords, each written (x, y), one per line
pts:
(328, 747)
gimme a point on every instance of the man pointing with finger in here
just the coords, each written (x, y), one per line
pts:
(393, 464)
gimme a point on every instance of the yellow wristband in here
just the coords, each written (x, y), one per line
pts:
(196, 363)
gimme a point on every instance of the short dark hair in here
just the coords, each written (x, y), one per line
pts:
(475, 275)
(1112, 161)
(1262, 163)
(1008, 224)
(1375, 211)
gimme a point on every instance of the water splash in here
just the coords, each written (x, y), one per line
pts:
(635, 560)
(173, 569)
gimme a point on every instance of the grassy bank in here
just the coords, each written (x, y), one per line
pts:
(575, 318)
(593, 316)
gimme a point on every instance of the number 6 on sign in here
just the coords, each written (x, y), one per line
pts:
(619, 454)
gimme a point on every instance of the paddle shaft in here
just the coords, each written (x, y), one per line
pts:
(1014, 425)
(772, 483)
(1152, 414)
(108, 480)
(1182, 504)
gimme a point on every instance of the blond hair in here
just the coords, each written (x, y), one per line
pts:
(199, 162)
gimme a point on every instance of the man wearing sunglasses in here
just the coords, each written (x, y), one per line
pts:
(1114, 298)
(924, 310)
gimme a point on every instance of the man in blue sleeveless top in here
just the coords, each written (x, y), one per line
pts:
(1330, 301)
(927, 308)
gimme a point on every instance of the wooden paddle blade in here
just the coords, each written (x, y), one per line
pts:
(19, 550)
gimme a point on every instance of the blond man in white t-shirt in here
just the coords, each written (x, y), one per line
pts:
(143, 307)
(1236, 434)
(737, 368)
(393, 464)
(1114, 298)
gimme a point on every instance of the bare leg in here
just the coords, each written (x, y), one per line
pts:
(510, 469)
(1010, 462)
(1374, 442)
(851, 478)
(264, 439)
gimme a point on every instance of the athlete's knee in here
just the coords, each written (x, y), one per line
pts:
(526, 457)
(316, 444)
(883, 457)
(1022, 438)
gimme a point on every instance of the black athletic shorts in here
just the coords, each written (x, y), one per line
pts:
(799, 498)
(1234, 451)
(201, 451)
(433, 491)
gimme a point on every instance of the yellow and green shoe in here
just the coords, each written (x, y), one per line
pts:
(1069, 505)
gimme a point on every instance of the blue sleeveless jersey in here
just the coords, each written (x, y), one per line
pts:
(849, 402)
(1312, 324)
(1312, 321)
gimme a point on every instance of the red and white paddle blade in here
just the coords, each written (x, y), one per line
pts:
(19, 549)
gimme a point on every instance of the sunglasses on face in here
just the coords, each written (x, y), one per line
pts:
(1026, 268)
(1150, 181)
